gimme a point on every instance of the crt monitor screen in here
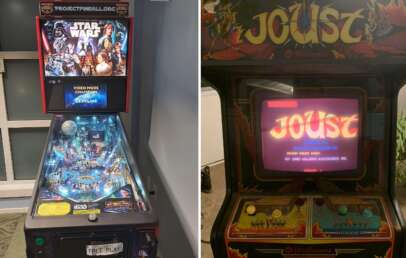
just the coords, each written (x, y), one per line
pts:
(310, 135)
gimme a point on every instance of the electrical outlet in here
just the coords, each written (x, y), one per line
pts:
(151, 187)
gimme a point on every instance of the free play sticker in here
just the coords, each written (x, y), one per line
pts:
(104, 250)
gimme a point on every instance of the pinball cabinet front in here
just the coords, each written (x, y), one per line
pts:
(89, 199)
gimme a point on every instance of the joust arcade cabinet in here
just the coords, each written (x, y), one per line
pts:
(309, 93)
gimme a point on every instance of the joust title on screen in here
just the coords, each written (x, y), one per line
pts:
(310, 135)
(315, 125)
(325, 25)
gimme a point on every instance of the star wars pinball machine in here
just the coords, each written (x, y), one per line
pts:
(89, 199)
(309, 94)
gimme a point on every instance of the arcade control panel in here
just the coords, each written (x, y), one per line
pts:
(337, 217)
(310, 226)
(310, 217)
(280, 217)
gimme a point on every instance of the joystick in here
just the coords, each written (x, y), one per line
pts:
(251, 210)
(343, 210)
(367, 213)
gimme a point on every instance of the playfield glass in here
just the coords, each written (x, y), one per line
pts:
(310, 135)
(85, 169)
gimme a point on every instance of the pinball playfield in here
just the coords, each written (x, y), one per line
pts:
(86, 169)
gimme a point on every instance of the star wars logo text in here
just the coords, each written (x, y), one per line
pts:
(85, 29)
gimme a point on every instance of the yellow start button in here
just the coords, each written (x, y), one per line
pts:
(276, 214)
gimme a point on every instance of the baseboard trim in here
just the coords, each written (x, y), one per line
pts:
(213, 164)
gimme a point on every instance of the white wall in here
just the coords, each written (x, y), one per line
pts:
(174, 119)
(402, 100)
(165, 118)
(211, 127)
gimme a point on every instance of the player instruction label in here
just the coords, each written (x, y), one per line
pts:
(54, 209)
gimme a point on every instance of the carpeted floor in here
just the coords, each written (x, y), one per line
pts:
(211, 203)
(401, 196)
(12, 244)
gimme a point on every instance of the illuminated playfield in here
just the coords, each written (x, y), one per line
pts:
(86, 163)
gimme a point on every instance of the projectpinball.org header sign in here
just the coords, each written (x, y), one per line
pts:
(78, 9)
(319, 29)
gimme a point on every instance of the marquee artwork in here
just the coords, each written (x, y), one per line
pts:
(318, 29)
